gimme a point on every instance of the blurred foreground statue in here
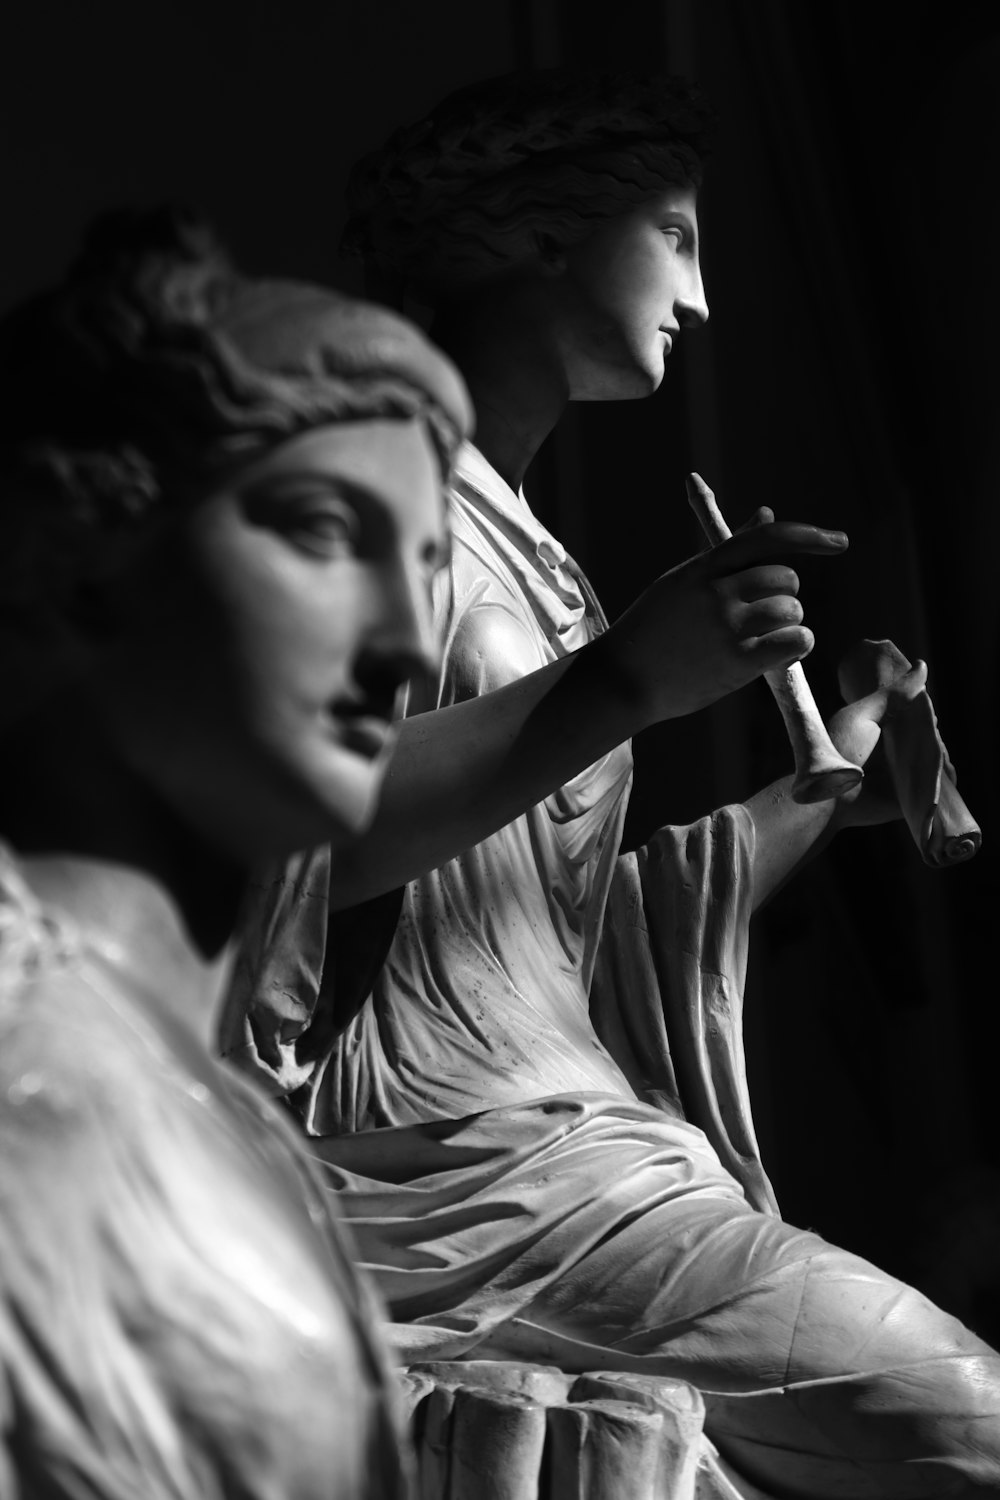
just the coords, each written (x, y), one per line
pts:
(218, 503)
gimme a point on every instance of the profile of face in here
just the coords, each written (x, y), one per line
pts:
(263, 633)
(623, 294)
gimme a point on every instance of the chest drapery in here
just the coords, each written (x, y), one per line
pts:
(178, 1312)
(505, 981)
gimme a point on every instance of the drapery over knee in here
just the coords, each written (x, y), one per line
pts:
(823, 1377)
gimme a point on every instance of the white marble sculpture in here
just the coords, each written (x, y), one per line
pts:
(537, 1121)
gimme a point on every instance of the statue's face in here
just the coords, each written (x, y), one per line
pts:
(626, 291)
(265, 636)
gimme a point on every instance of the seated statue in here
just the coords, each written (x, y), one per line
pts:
(220, 504)
(537, 1119)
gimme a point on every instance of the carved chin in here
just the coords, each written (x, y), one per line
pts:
(626, 380)
(645, 378)
(645, 372)
(655, 375)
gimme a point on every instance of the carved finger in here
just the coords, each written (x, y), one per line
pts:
(820, 771)
(765, 582)
(763, 617)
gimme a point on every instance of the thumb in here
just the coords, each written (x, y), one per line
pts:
(915, 680)
(856, 728)
(762, 516)
(780, 648)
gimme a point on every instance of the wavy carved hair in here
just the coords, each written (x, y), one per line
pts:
(501, 169)
(155, 368)
(157, 365)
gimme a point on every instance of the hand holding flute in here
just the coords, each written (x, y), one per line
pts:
(715, 622)
(821, 772)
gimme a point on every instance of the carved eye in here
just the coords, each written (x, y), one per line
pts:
(329, 528)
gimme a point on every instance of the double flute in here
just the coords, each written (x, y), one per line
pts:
(821, 772)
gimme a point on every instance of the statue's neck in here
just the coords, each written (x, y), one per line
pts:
(95, 843)
(517, 383)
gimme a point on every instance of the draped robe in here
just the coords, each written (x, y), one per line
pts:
(179, 1317)
(538, 1121)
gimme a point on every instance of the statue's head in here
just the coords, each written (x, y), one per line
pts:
(500, 172)
(221, 504)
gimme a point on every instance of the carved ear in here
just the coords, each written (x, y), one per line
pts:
(551, 254)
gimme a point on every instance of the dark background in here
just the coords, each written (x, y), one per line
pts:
(849, 376)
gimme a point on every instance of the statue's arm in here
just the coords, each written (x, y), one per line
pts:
(461, 772)
(788, 835)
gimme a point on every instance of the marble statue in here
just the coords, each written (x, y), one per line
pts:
(536, 1118)
(221, 503)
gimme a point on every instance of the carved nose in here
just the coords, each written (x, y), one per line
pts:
(408, 631)
(692, 306)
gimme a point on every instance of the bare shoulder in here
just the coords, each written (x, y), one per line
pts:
(491, 644)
